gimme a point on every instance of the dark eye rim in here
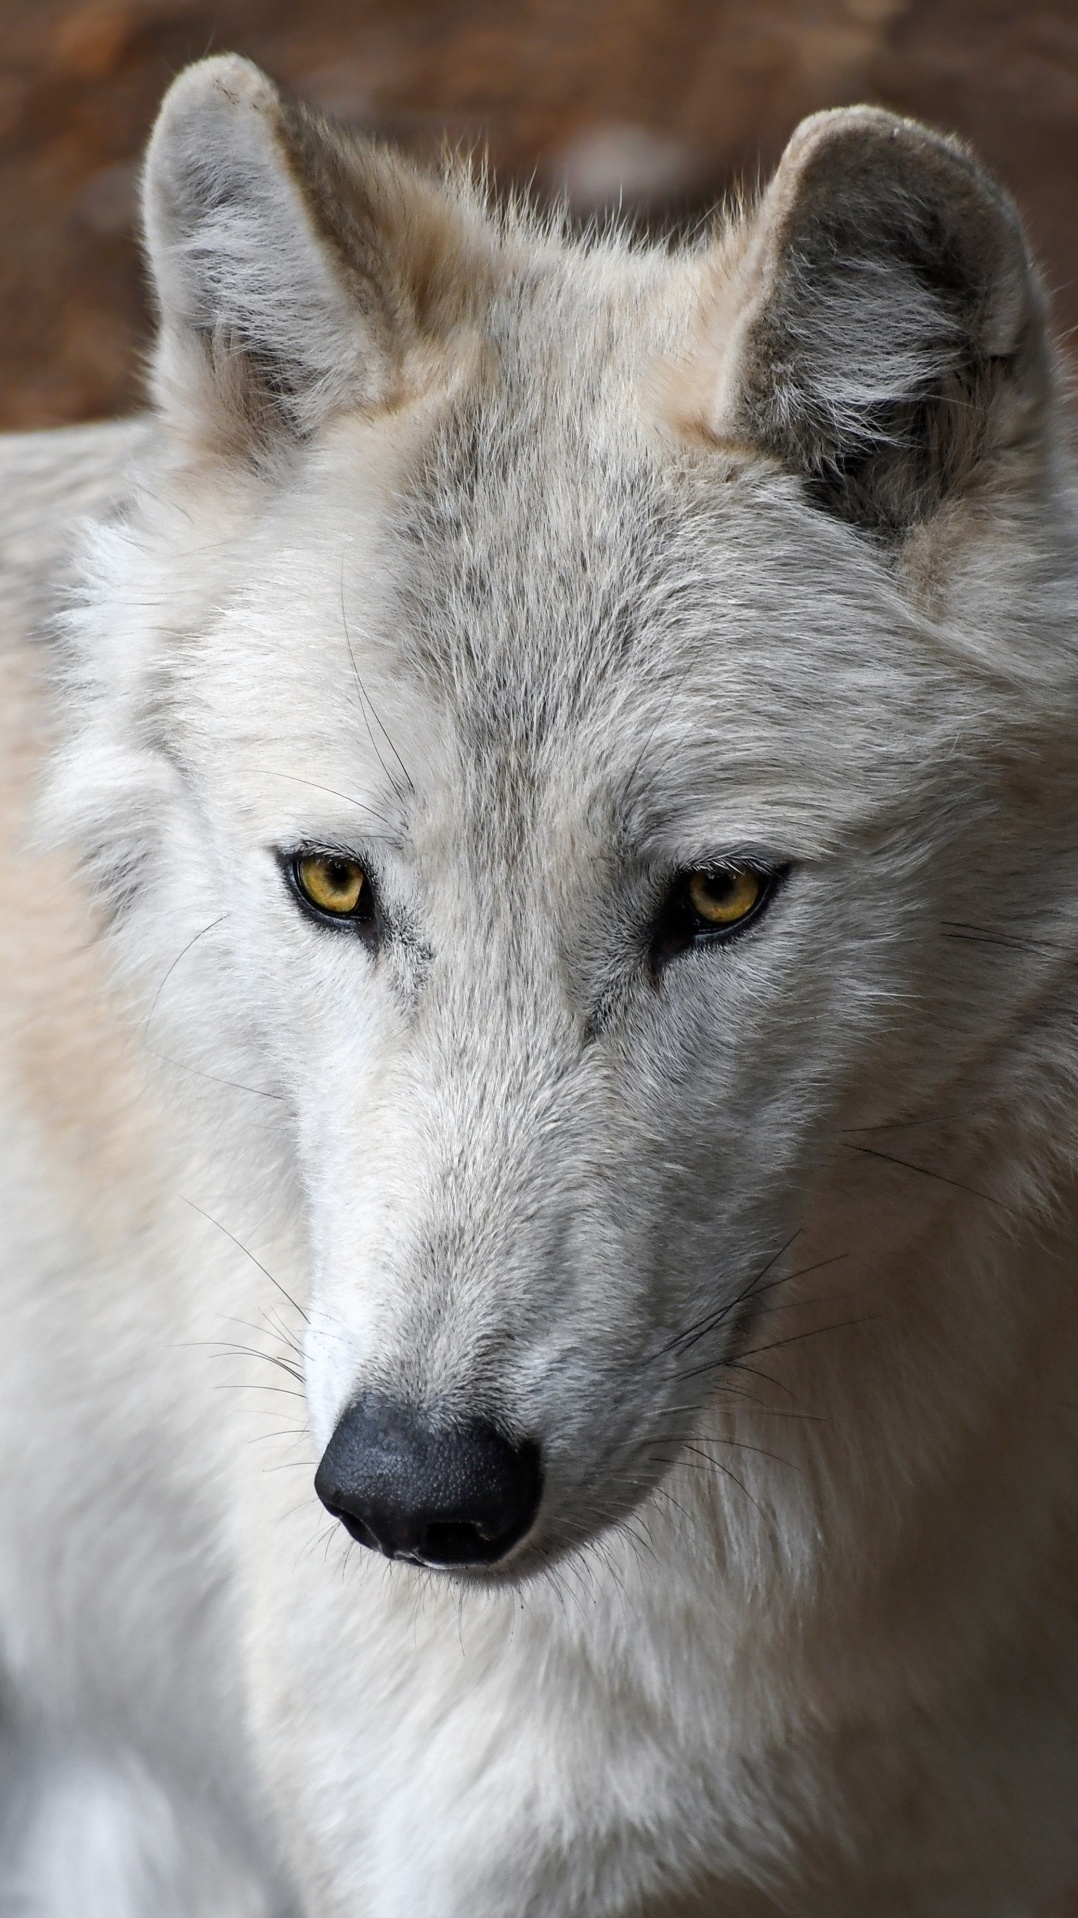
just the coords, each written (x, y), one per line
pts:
(678, 927)
(365, 917)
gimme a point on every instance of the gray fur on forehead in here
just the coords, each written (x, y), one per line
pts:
(549, 533)
(569, 573)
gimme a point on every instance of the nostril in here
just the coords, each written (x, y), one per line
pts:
(442, 1495)
(355, 1526)
(453, 1544)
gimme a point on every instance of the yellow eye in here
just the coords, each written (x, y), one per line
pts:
(331, 883)
(725, 897)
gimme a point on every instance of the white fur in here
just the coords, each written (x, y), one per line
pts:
(794, 1632)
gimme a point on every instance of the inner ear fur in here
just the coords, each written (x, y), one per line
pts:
(297, 269)
(882, 331)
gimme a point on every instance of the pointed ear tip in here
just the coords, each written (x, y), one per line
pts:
(869, 130)
(219, 86)
(831, 152)
(869, 127)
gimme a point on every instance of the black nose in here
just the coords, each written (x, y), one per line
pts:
(438, 1494)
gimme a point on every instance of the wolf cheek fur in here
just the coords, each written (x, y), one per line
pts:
(544, 588)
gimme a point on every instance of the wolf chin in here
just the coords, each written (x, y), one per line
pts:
(540, 1070)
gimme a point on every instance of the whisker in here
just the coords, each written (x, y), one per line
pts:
(246, 1249)
(251, 1352)
(708, 1438)
(872, 1152)
(368, 708)
(285, 1391)
(753, 1371)
(775, 1345)
(272, 772)
(758, 1407)
(698, 1328)
(726, 1472)
(695, 1334)
(219, 921)
(815, 1332)
(1010, 942)
(214, 1078)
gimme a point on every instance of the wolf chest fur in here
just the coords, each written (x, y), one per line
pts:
(540, 915)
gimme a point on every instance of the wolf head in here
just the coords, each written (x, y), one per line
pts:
(587, 729)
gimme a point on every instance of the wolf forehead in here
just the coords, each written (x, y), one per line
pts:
(569, 566)
(615, 639)
(583, 610)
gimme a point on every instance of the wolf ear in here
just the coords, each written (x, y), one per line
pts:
(296, 269)
(886, 337)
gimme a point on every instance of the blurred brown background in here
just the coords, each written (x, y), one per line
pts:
(665, 102)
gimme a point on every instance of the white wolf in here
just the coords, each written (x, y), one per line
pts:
(546, 961)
